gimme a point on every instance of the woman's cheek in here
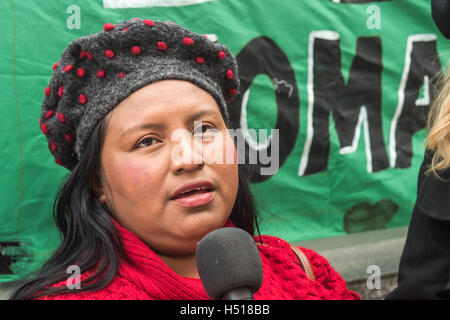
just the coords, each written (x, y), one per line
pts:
(134, 178)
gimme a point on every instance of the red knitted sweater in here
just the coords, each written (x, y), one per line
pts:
(143, 275)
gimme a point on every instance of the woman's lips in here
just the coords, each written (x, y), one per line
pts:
(195, 200)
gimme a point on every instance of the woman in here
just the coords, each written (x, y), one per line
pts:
(121, 112)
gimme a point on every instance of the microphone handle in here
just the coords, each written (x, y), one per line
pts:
(244, 293)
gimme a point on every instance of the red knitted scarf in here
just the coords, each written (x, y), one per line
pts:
(143, 275)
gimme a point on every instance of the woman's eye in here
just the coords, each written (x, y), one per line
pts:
(145, 142)
(203, 128)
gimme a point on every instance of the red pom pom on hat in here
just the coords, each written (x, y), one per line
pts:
(109, 53)
(69, 137)
(200, 60)
(68, 68)
(149, 23)
(49, 113)
(135, 50)
(188, 41)
(101, 74)
(81, 72)
(61, 117)
(44, 128)
(47, 91)
(82, 98)
(162, 45)
(222, 55)
(108, 26)
(53, 145)
(231, 94)
(229, 74)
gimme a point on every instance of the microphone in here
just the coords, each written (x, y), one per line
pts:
(229, 264)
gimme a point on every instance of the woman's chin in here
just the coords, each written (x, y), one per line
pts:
(200, 226)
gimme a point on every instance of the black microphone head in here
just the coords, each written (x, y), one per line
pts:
(228, 259)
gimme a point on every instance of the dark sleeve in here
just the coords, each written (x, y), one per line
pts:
(424, 263)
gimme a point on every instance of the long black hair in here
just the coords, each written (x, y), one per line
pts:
(89, 238)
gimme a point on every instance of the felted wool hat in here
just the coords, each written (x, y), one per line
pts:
(95, 73)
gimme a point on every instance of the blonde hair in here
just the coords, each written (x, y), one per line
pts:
(438, 125)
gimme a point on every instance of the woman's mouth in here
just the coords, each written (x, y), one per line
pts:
(194, 194)
(195, 198)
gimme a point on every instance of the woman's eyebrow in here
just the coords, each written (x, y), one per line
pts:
(201, 113)
(159, 126)
(144, 126)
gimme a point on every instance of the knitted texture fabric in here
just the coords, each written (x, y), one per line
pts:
(143, 275)
(95, 73)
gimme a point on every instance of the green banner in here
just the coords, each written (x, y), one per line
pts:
(347, 83)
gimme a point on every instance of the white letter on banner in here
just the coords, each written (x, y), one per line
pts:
(415, 38)
(321, 34)
(362, 119)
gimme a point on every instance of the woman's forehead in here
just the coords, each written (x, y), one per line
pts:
(164, 102)
(168, 95)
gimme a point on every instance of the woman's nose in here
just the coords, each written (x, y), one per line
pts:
(186, 153)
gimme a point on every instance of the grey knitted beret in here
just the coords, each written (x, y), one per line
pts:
(96, 72)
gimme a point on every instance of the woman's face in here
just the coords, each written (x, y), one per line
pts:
(152, 147)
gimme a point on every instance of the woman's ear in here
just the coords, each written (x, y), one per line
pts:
(97, 186)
